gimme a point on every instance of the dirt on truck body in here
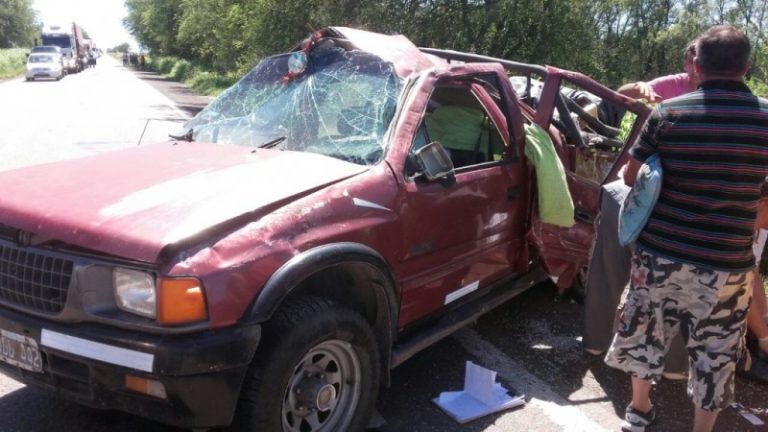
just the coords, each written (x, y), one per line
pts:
(340, 208)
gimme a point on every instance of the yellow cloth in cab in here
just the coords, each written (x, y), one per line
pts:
(456, 127)
(555, 202)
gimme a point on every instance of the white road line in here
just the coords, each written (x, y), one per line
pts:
(559, 410)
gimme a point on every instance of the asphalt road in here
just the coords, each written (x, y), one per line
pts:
(533, 342)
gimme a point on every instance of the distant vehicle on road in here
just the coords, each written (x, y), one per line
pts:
(47, 65)
(71, 42)
(50, 49)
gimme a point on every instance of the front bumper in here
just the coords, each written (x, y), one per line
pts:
(202, 372)
(50, 73)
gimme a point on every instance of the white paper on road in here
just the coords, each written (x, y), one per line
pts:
(481, 396)
(747, 414)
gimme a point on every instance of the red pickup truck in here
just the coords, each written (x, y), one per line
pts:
(337, 210)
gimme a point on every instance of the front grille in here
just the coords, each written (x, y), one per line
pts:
(34, 281)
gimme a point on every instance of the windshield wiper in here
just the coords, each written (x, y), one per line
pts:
(187, 136)
(272, 143)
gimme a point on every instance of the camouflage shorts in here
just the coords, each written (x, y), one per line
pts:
(708, 307)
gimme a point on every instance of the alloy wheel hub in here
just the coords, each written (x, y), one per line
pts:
(316, 393)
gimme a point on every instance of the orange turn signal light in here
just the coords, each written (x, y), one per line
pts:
(180, 301)
(145, 386)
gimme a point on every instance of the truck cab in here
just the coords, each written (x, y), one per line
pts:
(69, 40)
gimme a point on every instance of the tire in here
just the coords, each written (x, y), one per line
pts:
(317, 370)
(29, 79)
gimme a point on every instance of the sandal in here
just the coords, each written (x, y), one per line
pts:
(636, 420)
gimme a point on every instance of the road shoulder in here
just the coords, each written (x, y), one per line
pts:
(184, 97)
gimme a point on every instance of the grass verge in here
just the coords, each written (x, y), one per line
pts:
(206, 82)
(12, 62)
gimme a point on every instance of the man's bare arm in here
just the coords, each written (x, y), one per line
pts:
(640, 90)
(630, 171)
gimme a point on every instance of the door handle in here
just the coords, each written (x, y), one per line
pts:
(584, 215)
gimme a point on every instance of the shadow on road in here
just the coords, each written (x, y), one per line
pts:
(186, 99)
(544, 335)
(31, 410)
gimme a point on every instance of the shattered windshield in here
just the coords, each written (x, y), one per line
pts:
(62, 41)
(340, 106)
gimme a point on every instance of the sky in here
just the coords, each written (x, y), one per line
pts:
(102, 19)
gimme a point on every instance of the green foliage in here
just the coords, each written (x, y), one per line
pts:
(758, 87)
(123, 47)
(192, 74)
(626, 125)
(155, 24)
(181, 71)
(12, 62)
(17, 24)
(164, 65)
(211, 83)
(614, 41)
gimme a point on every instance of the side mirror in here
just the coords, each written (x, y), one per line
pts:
(434, 161)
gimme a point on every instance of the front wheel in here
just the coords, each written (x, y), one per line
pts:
(316, 371)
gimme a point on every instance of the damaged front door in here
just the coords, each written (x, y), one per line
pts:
(466, 231)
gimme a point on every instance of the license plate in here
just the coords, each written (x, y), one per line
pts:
(20, 350)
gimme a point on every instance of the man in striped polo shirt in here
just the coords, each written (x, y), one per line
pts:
(691, 272)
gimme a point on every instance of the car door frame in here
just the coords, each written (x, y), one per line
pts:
(415, 282)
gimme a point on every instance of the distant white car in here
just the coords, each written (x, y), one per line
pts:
(50, 49)
(47, 65)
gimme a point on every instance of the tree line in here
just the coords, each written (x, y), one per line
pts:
(614, 41)
(18, 24)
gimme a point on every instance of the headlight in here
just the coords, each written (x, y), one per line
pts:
(135, 292)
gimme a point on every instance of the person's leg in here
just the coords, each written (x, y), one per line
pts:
(714, 323)
(608, 272)
(752, 363)
(639, 344)
(755, 318)
(641, 395)
(676, 361)
(759, 301)
(704, 421)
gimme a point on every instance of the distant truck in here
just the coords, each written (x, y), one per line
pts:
(72, 44)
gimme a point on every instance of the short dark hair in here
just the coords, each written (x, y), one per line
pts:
(723, 49)
(690, 49)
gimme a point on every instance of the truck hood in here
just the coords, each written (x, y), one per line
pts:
(134, 203)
